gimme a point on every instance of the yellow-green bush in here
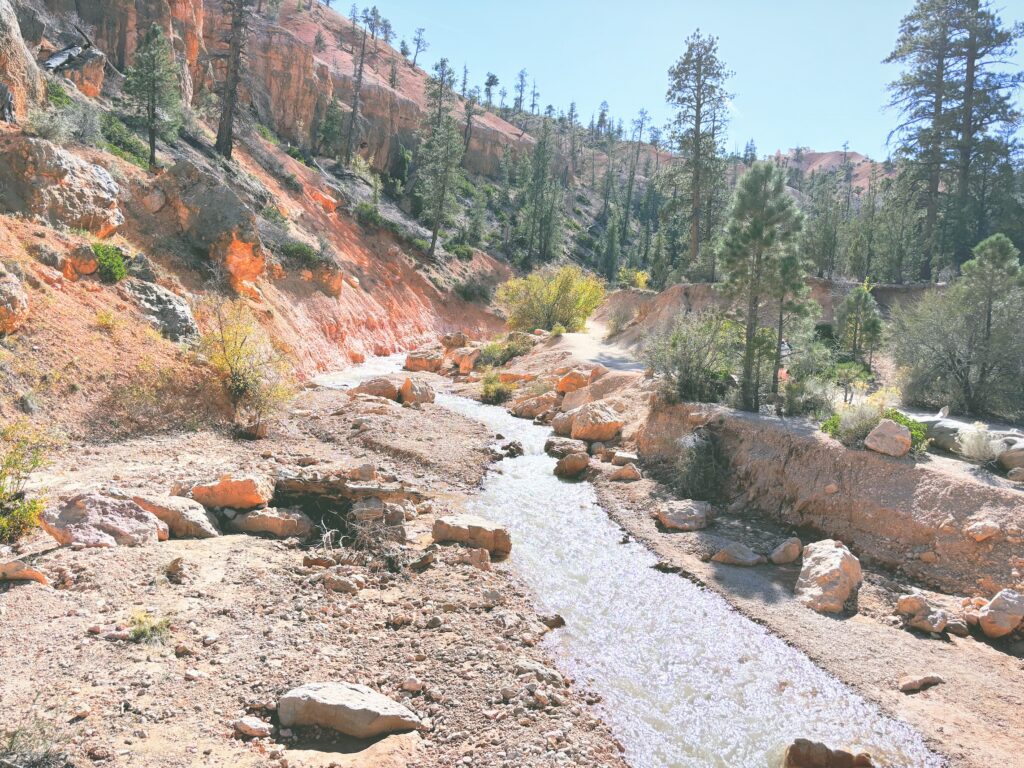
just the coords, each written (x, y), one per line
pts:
(549, 297)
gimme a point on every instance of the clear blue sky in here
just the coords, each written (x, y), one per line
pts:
(808, 72)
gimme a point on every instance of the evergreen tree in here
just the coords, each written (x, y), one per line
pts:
(859, 323)
(750, 153)
(359, 62)
(419, 43)
(153, 88)
(541, 214)
(332, 128)
(441, 151)
(791, 292)
(319, 43)
(489, 85)
(697, 89)
(471, 111)
(660, 267)
(638, 136)
(403, 48)
(239, 12)
(762, 224)
(610, 259)
(393, 75)
(520, 102)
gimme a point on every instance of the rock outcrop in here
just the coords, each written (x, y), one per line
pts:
(244, 492)
(279, 523)
(829, 578)
(14, 306)
(94, 520)
(185, 518)
(41, 179)
(171, 314)
(18, 70)
(347, 708)
(473, 531)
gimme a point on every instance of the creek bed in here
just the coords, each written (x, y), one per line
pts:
(685, 680)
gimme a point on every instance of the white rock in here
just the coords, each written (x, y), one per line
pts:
(787, 552)
(736, 553)
(686, 515)
(347, 708)
(982, 530)
(830, 576)
(1003, 614)
(252, 727)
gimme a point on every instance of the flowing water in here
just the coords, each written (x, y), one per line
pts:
(685, 680)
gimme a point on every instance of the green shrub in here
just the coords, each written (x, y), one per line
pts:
(475, 291)
(146, 628)
(500, 352)
(291, 181)
(558, 330)
(267, 134)
(120, 141)
(273, 214)
(698, 470)
(494, 391)
(695, 356)
(23, 450)
(420, 244)
(918, 432)
(565, 295)
(304, 253)
(297, 154)
(110, 260)
(368, 215)
(461, 251)
(56, 94)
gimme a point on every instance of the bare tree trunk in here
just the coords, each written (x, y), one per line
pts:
(239, 30)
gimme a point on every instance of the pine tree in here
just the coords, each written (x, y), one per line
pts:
(471, 111)
(750, 153)
(419, 43)
(791, 292)
(519, 105)
(441, 151)
(357, 88)
(238, 12)
(660, 266)
(858, 322)
(393, 75)
(332, 128)
(763, 223)
(153, 88)
(489, 85)
(403, 48)
(610, 260)
(697, 89)
(638, 136)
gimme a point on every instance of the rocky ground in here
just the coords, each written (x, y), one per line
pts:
(247, 620)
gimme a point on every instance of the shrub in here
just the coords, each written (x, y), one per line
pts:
(57, 95)
(149, 630)
(297, 154)
(696, 356)
(494, 391)
(558, 330)
(621, 317)
(500, 352)
(291, 181)
(420, 244)
(252, 370)
(274, 215)
(50, 124)
(34, 742)
(461, 251)
(106, 321)
(475, 290)
(976, 444)
(268, 135)
(301, 252)
(368, 215)
(918, 432)
(565, 295)
(634, 278)
(110, 261)
(698, 471)
(23, 450)
(120, 141)
(853, 423)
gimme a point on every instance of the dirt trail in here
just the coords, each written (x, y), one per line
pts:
(592, 346)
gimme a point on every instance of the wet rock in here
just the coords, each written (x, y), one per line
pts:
(572, 465)
(1003, 614)
(473, 531)
(95, 520)
(512, 449)
(427, 359)
(915, 683)
(736, 553)
(535, 406)
(573, 380)
(829, 578)
(252, 727)
(380, 386)
(596, 422)
(560, 447)
(171, 314)
(185, 518)
(810, 754)
(40, 178)
(889, 438)
(14, 307)
(347, 708)
(417, 392)
(243, 492)
(787, 552)
(279, 523)
(685, 515)
(626, 474)
(17, 570)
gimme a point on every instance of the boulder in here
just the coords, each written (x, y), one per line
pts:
(18, 70)
(1012, 455)
(350, 709)
(279, 523)
(429, 359)
(573, 380)
(576, 398)
(915, 683)
(596, 422)
(787, 552)
(572, 465)
(622, 458)
(252, 727)
(627, 474)
(931, 620)
(379, 386)
(80, 261)
(889, 438)
(982, 530)
(559, 447)
(41, 179)
(736, 553)
(474, 532)
(244, 492)
(1016, 475)
(562, 423)
(13, 303)
(1002, 615)
(95, 520)
(811, 754)
(466, 359)
(535, 406)
(685, 515)
(17, 570)
(416, 392)
(170, 313)
(830, 576)
(455, 340)
(185, 518)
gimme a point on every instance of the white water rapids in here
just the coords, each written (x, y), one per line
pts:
(686, 681)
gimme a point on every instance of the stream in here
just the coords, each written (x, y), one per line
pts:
(686, 681)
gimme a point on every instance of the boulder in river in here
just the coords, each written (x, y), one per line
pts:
(803, 753)
(474, 532)
(596, 422)
(830, 576)
(535, 406)
(563, 446)
(572, 465)
(348, 708)
(416, 392)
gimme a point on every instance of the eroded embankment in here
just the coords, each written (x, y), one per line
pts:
(905, 515)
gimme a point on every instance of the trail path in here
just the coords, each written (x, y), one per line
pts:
(592, 347)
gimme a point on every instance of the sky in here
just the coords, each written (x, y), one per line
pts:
(807, 72)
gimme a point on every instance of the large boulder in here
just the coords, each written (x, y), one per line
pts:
(562, 423)
(889, 438)
(379, 386)
(811, 754)
(13, 303)
(1003, 614)
(535, 406)
(279, 523)
(473, 531)
(185, 518)
(41, 179)
(572, 465)
(244, 492)
(830, 576)
(573, 380)
(466, 359)
(416, 392)
(426, 359)
(457, 340)
(596, 422)
(685, 515)
(576, 398)
(1011, 453)
(170, 313)
(18, 70)
(787, 552)
(347, 708)
(627, 473)
(559, 447)
(95, 520)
